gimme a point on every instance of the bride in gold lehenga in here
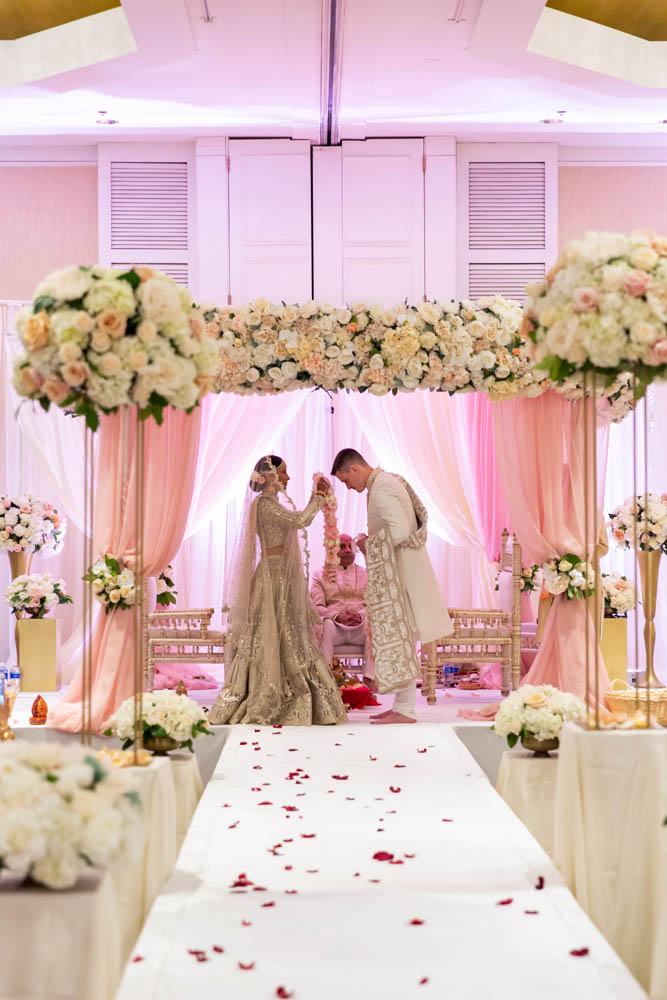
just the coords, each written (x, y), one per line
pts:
(275, 673)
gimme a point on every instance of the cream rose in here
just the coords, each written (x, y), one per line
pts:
(138, 360)
(645, 258)
(535, 699)
(75, 373)
(109, 364)
(69, 352)
(160, 301)
(147, 331)
(115, 596)
(100, 341)
(35, 333)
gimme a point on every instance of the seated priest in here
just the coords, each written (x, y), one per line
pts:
(339, 594)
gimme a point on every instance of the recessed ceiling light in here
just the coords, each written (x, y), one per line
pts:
(551, 121)
(104, 120)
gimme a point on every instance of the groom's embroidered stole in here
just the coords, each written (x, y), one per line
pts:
(392, 639)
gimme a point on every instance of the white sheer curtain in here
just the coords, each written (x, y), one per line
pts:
(421, 435)
(42, 453)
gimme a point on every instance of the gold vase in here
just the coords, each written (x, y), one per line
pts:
(160, 746)
(649, 567)
(540, 748)
(19, 563)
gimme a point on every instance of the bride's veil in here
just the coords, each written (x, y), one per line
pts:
(245, 557)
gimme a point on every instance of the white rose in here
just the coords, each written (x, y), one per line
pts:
(69, 352)
(414, 369)
(376, 363)
(67, 284)
(109, 364)
(115, 596)
(290, 369)
(644, 258)
(160, 301)
(252, 375)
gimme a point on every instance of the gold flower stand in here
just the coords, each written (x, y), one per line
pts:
(36, 650)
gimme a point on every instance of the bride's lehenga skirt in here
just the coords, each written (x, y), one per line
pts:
(278, 675)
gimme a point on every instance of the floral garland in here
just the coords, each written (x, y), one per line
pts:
(537, 711)
(602, 308)
(620, 595)
(96, 339)
(36, 595)
(569, 575)
(112, 582)
(650, 527)
(30, 525)
(163, 714)
(331, 534)
(62, 810)
(166, 589)
(444, 346)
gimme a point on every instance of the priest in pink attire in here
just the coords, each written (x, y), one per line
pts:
(339, 594)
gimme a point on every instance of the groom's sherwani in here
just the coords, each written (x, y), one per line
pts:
(404, 599)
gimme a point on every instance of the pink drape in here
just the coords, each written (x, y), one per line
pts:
(491, 505)
(540, 453)
(170, 465)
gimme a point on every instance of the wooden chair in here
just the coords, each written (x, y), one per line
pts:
(482, 636)
(180, 637)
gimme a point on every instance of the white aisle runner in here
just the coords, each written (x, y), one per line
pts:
(278, 871)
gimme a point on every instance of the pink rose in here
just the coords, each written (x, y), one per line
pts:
(6, 503)
(658, 355)
(585, 299)
(636, 282)
(18, 548)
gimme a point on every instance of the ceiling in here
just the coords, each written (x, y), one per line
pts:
(326, 70)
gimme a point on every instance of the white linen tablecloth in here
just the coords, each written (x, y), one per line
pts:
(73, 944)
(528, 786)
(610, 844)
(63, 945)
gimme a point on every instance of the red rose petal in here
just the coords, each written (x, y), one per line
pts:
(246, 968)
(283, 993)
(540, 882)
(400, 765)
(293, 750)
(349, 798)
(422, 751)
(383, 856)
(340, 777)
(195, 951)
(312, 871)
(423, 980)
(291, 892)
(372, 758)
(505, 902)
(233, 826)
(579, 952)
(241, 881)
(410, 855)
(395, 789)
(265, 906)
(246, 923)
(138, 958)
(243, 743)
(398, 862)
(288, 868)
(257, 767)
(201, 958)
(416, 922)
(531, 913)
(259, 888)
(220, 951)
(448, 821)
(374, 880)
(308, 836)
(265, 803)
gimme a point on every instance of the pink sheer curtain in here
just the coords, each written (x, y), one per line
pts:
(540, 452)
(486, 481)
(170, 465)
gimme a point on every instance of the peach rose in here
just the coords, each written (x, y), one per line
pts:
(83, 322)
(27, 381)
(636, 282)
(112, 322)
(659, 244)
(658, 354)
(101, 341)
(75, 373)
(55, 389)
(138, 360)
(197, 325)
(146, 331)
(144, 272)
(536, 699)
(585, 299)
(619, 535)
(36, 331)
(109, 364)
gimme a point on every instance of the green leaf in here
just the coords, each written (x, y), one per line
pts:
(127, 744)
(512, 740)
(45, 302)
(131, 277)
(133, 797)
(108, 732)
(571, 558)
(98, 770)
(45, 403)
(52, 778)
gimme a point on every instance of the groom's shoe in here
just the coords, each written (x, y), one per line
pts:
(381, 715)
(394, 718)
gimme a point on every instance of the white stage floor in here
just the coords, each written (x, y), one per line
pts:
(300, 813)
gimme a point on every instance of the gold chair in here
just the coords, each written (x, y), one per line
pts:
(180, 637)
(482, 636)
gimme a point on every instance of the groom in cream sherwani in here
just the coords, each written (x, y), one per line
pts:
(404, 601)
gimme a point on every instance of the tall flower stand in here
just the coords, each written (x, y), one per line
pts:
(649, 567)
(614, 646)
(36, 644)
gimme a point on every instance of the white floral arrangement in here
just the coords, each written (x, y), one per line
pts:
(28, 524)
(162, 714)
(112, 582)
(569, 575)
(540, 712)
(602, 308)
(650, 525)
(166, 589)
(530, 577)
(62, 810)
(35, 595)
(96, 339)
(620, 595)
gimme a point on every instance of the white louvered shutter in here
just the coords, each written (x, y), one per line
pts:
(146, 208)
(506, 231)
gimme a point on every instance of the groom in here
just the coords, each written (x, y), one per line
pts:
(403, 598)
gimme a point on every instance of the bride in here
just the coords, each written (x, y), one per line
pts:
(275, 673)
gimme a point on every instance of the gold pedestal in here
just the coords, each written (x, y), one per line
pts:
(36, 651)
(614, 646)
